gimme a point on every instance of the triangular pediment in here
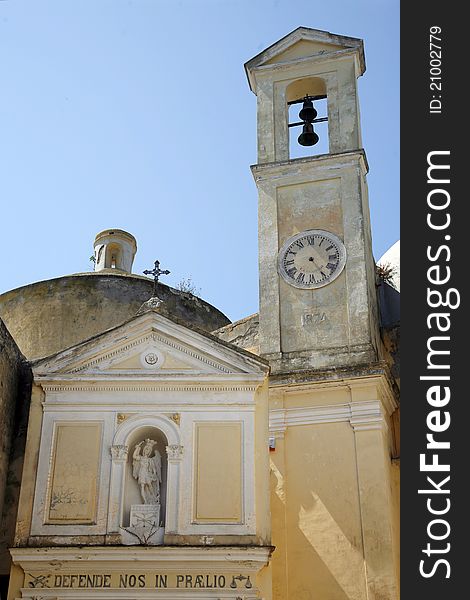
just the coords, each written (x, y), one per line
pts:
(303, 43)
(302, 49)
(150, 346)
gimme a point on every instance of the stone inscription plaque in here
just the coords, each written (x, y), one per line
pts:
(138, 580)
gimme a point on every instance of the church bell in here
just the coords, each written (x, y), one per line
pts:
(308, 114)
(308, 137)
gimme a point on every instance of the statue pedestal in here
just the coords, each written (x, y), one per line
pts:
(144, 525)
(145, 516)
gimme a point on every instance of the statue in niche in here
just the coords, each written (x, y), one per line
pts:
(147, 470)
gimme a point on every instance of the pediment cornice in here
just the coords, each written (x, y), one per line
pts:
(149, 346)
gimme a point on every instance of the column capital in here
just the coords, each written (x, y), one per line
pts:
(174, 452)
(119, 452)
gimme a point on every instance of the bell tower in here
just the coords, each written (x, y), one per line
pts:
(318, 305)
(332, 403)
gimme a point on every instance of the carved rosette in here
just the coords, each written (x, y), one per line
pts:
(119, 452)
(174, 452)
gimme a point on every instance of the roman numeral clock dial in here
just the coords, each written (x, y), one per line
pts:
(311, 259)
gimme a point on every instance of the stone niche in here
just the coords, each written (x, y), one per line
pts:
(141, 475)
(132, 493)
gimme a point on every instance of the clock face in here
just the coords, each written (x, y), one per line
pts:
(311, 259)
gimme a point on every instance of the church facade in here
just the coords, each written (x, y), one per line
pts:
(167, 453)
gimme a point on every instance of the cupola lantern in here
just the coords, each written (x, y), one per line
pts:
(115, 250)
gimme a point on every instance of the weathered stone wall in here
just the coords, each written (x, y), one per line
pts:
(15, 380)
(48, 316)
(10, 361)
(243, 333)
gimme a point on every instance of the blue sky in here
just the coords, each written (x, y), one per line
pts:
(136, 114)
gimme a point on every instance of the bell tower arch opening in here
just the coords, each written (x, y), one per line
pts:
(307, 107)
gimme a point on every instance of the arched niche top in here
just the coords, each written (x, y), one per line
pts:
(130, 425)
(308, 86)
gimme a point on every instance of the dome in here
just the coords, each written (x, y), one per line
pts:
(391, 259)
(48, 316)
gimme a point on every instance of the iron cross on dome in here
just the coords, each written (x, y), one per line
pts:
(156, 272)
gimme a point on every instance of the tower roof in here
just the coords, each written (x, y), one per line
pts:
(302, 43)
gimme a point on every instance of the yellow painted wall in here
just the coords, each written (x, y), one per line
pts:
(334, 504)
(218, 472)
(373, 457)
(323, 518)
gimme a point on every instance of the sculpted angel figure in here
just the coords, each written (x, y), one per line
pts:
(148, 471)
